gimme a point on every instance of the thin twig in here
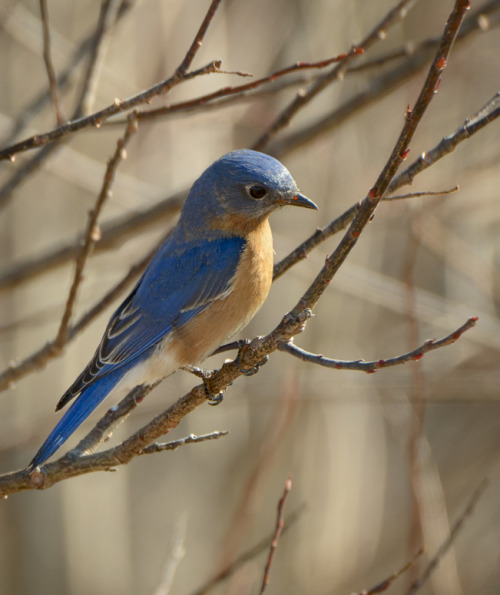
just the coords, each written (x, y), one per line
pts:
(240, 89)
(424, 193)
(191, 439)
(303, 98)
(487, 114)
(371, 367)
(93, 233)
(457, 526)
(122, 105)
(250, 554)
(379, 87)
(47, 56)
(108, 16)
(65, 77)
(39, 358)
(280, 523)
(385, 584)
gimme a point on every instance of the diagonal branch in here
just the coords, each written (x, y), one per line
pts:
(93, 233)
(123, 105)
(395, 15)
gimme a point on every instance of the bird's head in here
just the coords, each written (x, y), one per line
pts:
(242, 188)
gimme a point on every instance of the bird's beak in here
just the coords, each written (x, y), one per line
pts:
(299, 200)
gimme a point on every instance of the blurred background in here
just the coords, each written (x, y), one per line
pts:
(381, 463)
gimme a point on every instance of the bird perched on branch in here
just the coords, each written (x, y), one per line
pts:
(204, 284)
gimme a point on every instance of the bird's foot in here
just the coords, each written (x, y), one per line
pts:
(206, 375)
(249, 371)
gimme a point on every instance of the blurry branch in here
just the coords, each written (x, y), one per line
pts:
(108, 16)
(417, 55)
(250, 355)
(280, 523)
(175, 557)
(262, 465)
(385, 584)
(116, 231)
(49, 351)
(487, 114)
(122, 105)
(242, 89)
(304, 97)
(113, 233)
(47, 56)
(371, 367)
(93, 233)
(383, 85)
(230, 569)
(87, 88)
(436, 559)
(67, 74)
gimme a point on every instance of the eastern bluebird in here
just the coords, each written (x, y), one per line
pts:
(204, 284)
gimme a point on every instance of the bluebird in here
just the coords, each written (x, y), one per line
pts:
(203, 285)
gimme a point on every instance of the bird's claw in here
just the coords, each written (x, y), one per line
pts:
(214, 399)
(249, 371)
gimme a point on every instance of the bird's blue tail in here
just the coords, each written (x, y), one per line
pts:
(85, 403)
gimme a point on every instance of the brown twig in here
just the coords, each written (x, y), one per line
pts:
(65, 77)
(279, 528)
(93, 233)
(424, 193)
(231, 568)
(487, 114)
(385, 584)
(122, 105)
(47, 56)
(49, 351)
(371, 367)
(108, 16)
(457, 526)
(380, 86)
(303, 98)
(113, 233)
(175, 444)
(241, 89)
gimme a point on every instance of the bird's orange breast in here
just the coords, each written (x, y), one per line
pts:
(225, 317)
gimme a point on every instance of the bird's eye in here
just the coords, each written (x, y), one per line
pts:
(257, 191)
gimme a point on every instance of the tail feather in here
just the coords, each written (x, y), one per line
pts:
(87, 401)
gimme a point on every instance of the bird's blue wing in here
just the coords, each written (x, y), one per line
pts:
(177, 285)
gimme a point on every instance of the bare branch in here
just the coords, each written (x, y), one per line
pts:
(424, 193)
(108, 16)
(47, 56)
(303, 98)
(241, 89)
(93, 233)
(489, 113)
(279, 528)
(385, 584)
(122, 105)
(371, 367)
(230, 569)
(50, 350)
(191, 439)
(476, 496)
